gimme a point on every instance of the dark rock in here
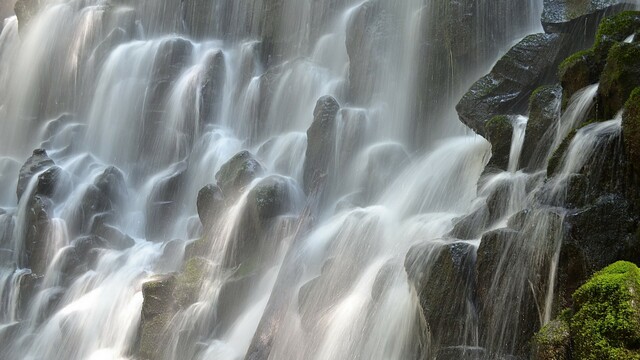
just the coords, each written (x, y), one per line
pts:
(237, 173)
(576, 72)
(631, 129)
(544, 112)
(54, 183)
(209, 203)
(553, 341)
(620, 76)
(84, 246)
(499, 131)
(37, 227)
(271, 27)
(271, 197)
(112, 184)
(471, 226)
(460, 353)
(614, 30)
(211, 89)
(115, 238)
(507, 88)
(443, 278)
(163, 204)
(321, 138)
(566, 15)
(38, 162)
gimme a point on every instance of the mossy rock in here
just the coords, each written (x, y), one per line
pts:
(556, 158)
(631, 128)
(620, 76)
(613, 30)
(190, 281)
(152, 334)
(553, 341)
(576, 72)
(499, 130)
(606, 324)
(544, 111)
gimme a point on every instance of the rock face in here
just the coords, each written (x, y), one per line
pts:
(631, 129)
(544, 112)
(499, 130)
(321, 138)
(507, 88)
(567, 15)
(620, 76)
(38, 162)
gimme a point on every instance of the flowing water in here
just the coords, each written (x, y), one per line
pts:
(166, 92)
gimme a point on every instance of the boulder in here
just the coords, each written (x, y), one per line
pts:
(54, 183)
(112, 184)
(620, 76)
(38, 162)
(576, 72)
(115, 238)
(553, 341)
(237, 173)
(271, 197)
(211, 88)
(210, 203)
(507, 88)
(158, 307)
(37, 227)
(544, 112)
(321, 138)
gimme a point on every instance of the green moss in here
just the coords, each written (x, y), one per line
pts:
(190, 281)
(620, 76)
(151, 336)
(615, 29)
(631, 127)
(499, 132)
(553, 341)
(606, 324)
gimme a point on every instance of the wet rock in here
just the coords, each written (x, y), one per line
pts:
(84, 246)
(544, 112)
(576, 72)
(272, 24)
(158, 308)
(196, 16)
(614, 30)
(211, 89)
(38, 222)
(54, 183)
(471, 226)
(173, 255)
(271, 197)
(114, 237)
(499, 131)
(112, 184)
(321, 138)
(93, 203)
(567, 15)
(237, 173)
(25, 11)
(209, 203)
(38, 162)
(507, 88)
(163, 205)
(595, 236)
(367, 36)
(384, 163)
(553, 341)
(620, 76)
(189, 281)
(443, 278)
(460, 353)
(631, 129)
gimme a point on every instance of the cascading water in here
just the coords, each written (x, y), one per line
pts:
(177, 166)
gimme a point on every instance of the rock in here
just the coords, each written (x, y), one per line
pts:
(189, 281)
(443, 279)
(471, 226)
(567, 15)
(210, 203)
(594, 236)
(93, 203)
(631, 129)
(112, 184)
(84, 246)
(271, 27)
(37, 228)
(367, 36)
(211, 88)
(38, 162)
(553, 341)
(620, 76)
(576, 72)
(271, 197)
(157, 311)
(163, 203)
(499, 131)
(606, 322)
(613, 30)
(54, 183)
(321, 138)
(115, 238)
(237, 173)
(507, 88)
(25, 11)
(384, 163)
(544, 112)
(460, 353)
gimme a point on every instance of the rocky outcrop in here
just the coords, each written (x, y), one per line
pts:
(499, 130)
(211, 89)
(237, 173)
(158, 308)
(570, 15)
(209, 203)
(620, 76)
(507, 88)
(163, 204)
(38, 162)
(321, 138)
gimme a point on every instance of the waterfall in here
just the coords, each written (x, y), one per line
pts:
(269, 179)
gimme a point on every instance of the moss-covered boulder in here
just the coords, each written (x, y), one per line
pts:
(620, 76)
(577, 71)
(499, 131)
(553, 341)
(544, 112)
(238, 172)
(631, 128)
(613, 30)
(606, 323)
(506, 89)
